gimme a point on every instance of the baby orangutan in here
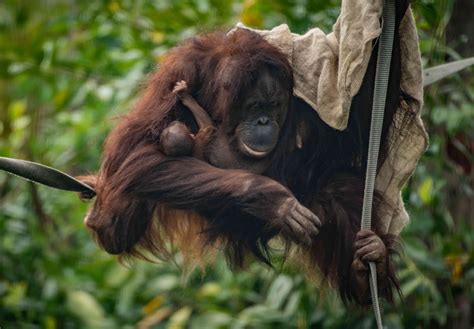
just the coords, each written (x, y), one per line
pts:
(177, 139)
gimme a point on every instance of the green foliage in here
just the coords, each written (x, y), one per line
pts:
(68, 68)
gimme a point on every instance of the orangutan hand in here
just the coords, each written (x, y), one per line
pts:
(369, 248)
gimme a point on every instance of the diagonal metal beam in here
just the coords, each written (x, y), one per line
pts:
(436, 73)
(45, 175)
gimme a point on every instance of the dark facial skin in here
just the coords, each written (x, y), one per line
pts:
(261, 115)
(250, 135)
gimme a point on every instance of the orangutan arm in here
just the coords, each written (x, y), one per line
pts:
(188, 183)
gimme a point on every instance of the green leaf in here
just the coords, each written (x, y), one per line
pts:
(279, 291)
(425, 190)
(84, 306)
(180, 318)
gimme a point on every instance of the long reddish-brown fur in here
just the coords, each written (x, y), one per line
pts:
(146, 200)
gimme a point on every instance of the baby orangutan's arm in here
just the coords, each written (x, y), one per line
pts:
(177, 139)
(200, 115)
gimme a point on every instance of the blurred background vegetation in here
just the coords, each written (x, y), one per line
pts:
(67, 68)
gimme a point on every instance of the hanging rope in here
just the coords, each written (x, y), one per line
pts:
(382, 73)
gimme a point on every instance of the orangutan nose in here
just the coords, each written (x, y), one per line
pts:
(263, 120)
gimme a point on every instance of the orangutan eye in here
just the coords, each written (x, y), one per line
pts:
(253, 105)
(274, 104)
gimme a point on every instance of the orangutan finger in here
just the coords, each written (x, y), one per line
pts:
(305, 222)
(180, 86)
(363, 242)
(364, 233)
(309, 214)
(359, 266)
(374, 256)
(366, 250)
(297, 233)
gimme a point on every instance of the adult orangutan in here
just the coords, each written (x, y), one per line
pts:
(269, 166)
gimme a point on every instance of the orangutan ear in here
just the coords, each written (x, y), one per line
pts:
(299, 141)
(301, 133)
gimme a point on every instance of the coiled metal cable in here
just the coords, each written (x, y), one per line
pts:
(382, 74)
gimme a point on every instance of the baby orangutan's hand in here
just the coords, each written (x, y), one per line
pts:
(180, 86)
(202, 118)
(181, 90)
(202, 139)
